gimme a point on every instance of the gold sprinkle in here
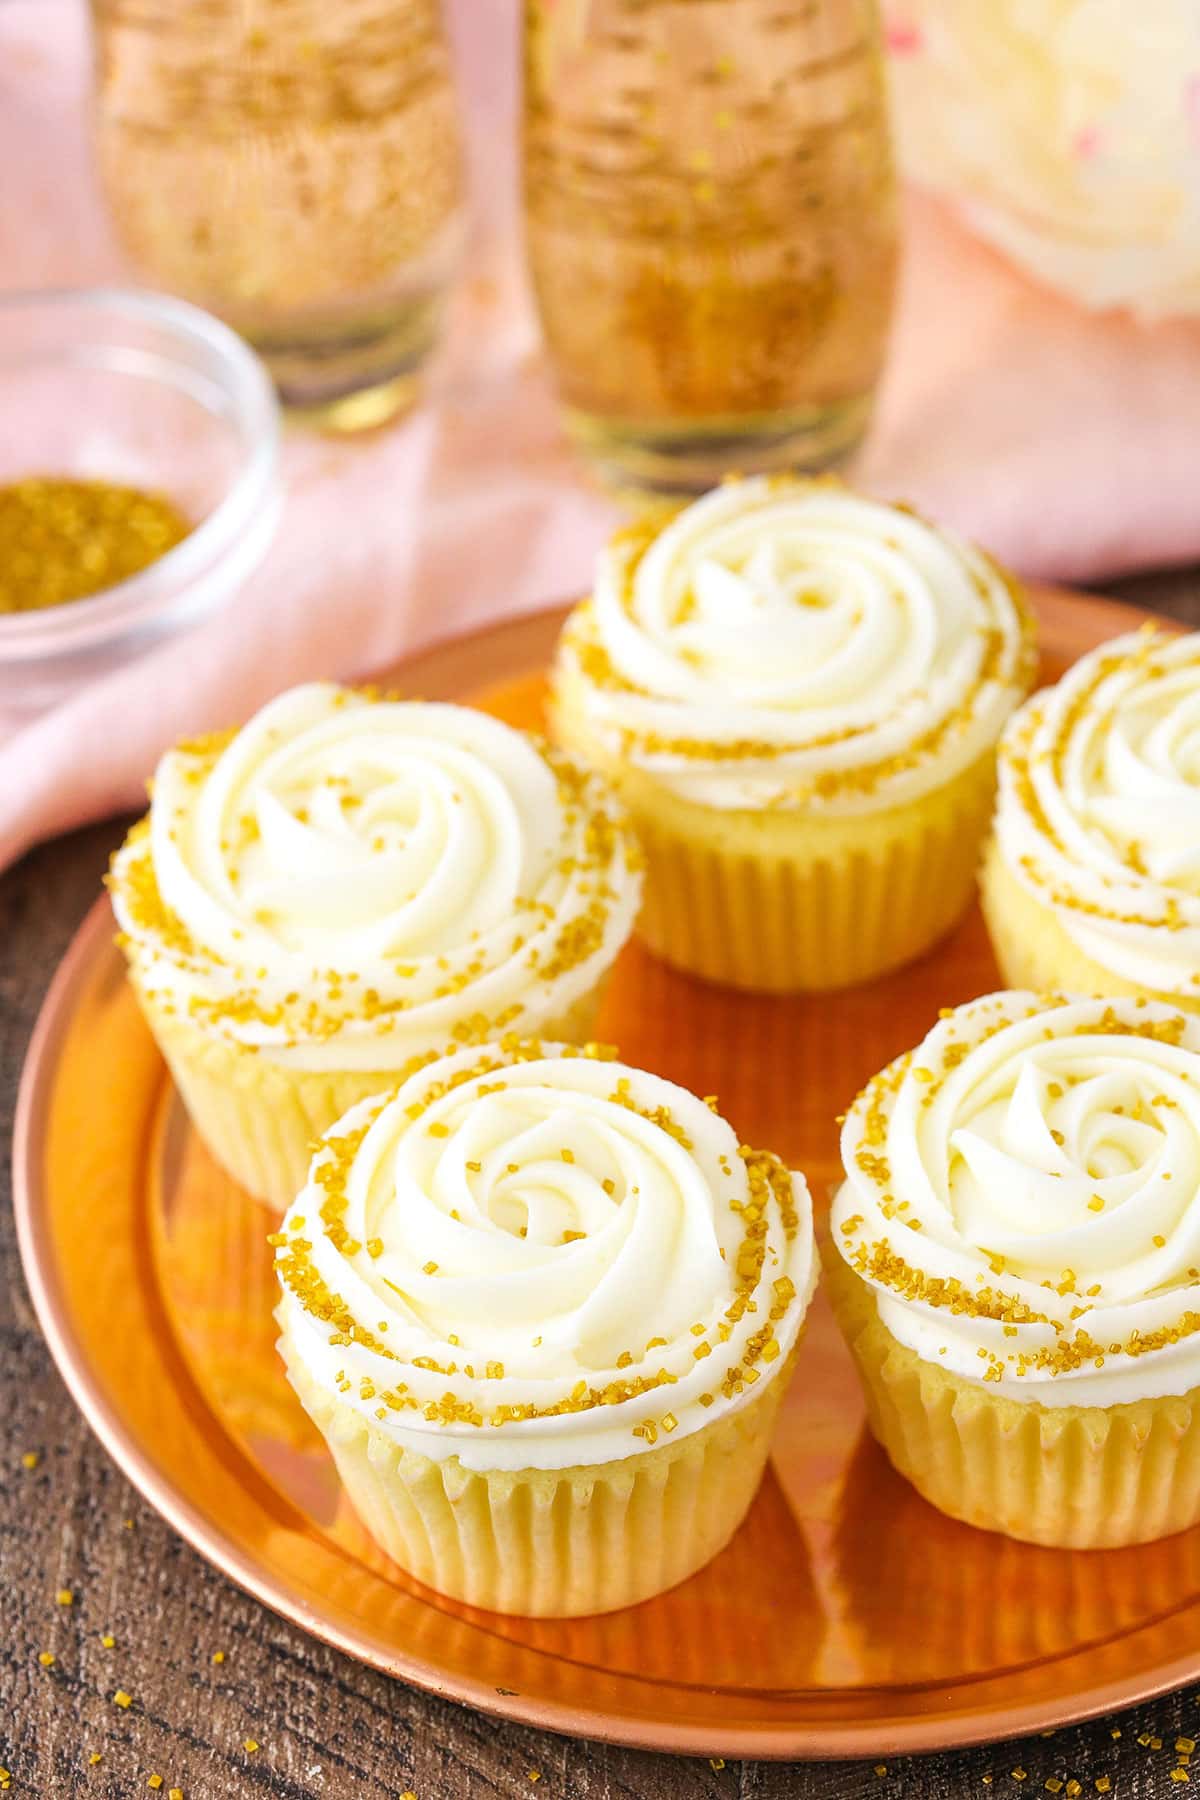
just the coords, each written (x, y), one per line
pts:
(1053, 1784)
(65, 1597)
(108, 1640)
(46, 1658)
(95, 1757)
(1019, 1774)
(249, 1745)
(716, 1763)
(218, 1656)
(429, 1268)
(881, 1768)
(122, 1699)
(174, 1794)
(29, 1460)
(1185, 1745)
(1103, 1784)
(155, 1781)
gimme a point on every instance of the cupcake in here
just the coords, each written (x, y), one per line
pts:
(1015, 1263)
(542, 1307)
(347, 886)
(1092, 878)
(797, 692)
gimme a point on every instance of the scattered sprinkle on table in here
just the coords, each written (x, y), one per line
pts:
(250, 1745)
(1103, 1784)
(108, 1641)
(174, 1794)
(535, 1774)
(155, 1781)
(218, 1656)
(881, 1768)
(716, 1763)
(95, 1757)
(46, 1658)
(30, 1459)
(65, 1597)
(121, 1698)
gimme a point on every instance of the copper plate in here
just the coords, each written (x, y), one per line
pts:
(847, 1617)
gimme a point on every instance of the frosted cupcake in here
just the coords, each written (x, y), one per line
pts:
(349, 884)
(542, 1307)
(1016, 1266)
(1092, 880)
(798, 694)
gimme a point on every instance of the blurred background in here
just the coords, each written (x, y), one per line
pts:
(476, 280)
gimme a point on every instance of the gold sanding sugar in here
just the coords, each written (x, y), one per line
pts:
(63, 540)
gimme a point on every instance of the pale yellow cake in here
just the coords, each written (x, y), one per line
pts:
(797, 693)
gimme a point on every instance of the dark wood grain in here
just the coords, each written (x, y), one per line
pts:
(325, 1726)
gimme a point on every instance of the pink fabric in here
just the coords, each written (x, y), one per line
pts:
(1065, 442)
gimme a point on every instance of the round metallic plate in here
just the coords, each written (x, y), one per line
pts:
(846, 1618)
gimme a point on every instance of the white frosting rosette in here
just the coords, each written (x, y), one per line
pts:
(788, 643)
(1099, 807)
(1022, 1194)
(529, 1257)
(349, 881)
(1066, 131)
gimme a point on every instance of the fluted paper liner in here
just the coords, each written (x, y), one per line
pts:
(778, 902)
(551, 1543)
(260, 1119)
(1076, 1477)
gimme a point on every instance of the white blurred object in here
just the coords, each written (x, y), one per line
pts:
(1067, 132)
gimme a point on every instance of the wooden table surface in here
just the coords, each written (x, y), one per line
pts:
(324, 1726)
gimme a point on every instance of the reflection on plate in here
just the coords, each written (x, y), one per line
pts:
(846, 1617)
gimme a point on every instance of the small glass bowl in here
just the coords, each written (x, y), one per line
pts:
(125, 386)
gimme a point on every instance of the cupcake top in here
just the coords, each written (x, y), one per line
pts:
(1023, 1194)
(1099, 807)
(786, 643)
(349, 881)
(529, 1256)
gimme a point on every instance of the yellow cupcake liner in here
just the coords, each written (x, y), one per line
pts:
(260, 1119)
(551, 1543)
(1033, 948)
(1073, 1477)
(779, 903)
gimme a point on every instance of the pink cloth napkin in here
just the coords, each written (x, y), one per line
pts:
(1065, 442)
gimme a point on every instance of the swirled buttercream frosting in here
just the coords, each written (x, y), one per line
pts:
(532, 1257)
(788, 643)
(1098, 813)
(348, 881)
(1022, 1193)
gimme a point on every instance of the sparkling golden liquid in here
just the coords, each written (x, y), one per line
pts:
(710, 217)
(293, 165)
